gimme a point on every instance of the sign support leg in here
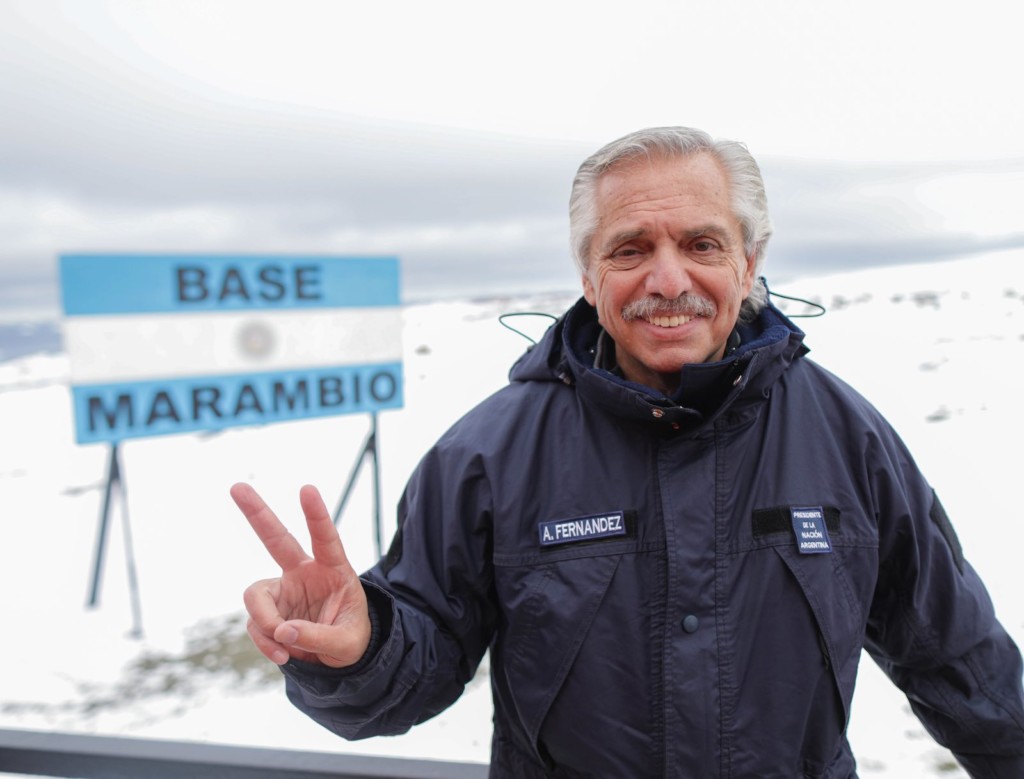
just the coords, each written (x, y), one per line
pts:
(114, 480)
(113, 476)
(375, 456)
(129, 554)
(369, 449)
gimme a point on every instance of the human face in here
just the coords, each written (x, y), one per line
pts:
(666, 234)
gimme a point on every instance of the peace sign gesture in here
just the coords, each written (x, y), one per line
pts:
(316, 610)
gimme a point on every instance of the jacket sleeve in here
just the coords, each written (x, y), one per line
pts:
(431, 603)
(933, 630)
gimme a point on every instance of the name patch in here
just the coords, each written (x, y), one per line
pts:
(811, 531)
(568, 531)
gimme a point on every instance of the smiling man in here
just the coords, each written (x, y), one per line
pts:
(666, 267)
(673, 531)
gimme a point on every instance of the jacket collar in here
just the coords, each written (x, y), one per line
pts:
(568, 350)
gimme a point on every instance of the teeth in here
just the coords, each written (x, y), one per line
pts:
(668, 321)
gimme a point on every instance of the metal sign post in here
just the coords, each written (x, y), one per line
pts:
(114, 480)
(369, 450)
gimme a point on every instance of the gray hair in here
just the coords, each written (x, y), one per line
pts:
(749, 201)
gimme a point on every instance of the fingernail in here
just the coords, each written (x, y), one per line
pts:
(280, 657)
(288, 635)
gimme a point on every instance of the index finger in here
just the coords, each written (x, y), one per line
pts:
(286, 551)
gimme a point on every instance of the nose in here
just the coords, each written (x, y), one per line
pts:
(668, 274)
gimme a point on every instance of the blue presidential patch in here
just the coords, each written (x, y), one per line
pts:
(570, 531)
(811, 530)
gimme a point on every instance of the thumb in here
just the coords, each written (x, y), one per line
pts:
(336, 646)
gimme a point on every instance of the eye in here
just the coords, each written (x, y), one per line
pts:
(626, 256)
(626, 251)
(704, 245)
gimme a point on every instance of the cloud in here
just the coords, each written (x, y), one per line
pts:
(466, 213)
(830, 215)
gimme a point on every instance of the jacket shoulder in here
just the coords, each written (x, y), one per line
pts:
(495, 421)
(816, 385)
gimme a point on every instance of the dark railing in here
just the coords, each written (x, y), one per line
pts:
(106, 757)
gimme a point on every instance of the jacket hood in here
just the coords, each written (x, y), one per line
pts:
(566, 353)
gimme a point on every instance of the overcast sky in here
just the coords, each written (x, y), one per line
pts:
(447, 133)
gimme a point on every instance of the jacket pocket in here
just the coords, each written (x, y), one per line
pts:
(549, 603)
(838, 612)
(839, 618)
(791, 644)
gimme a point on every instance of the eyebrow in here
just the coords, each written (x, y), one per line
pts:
(715, 231)
(623, 237)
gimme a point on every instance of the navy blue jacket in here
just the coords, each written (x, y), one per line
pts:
(634, 564)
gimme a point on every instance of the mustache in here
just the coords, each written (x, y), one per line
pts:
(685, 305)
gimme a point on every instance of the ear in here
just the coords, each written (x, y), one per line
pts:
(588, 290)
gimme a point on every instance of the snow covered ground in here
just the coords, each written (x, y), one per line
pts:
(938, 348)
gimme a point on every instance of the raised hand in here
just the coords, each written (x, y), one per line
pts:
(316, 610)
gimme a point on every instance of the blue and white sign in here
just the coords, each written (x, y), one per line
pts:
(164, 344)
